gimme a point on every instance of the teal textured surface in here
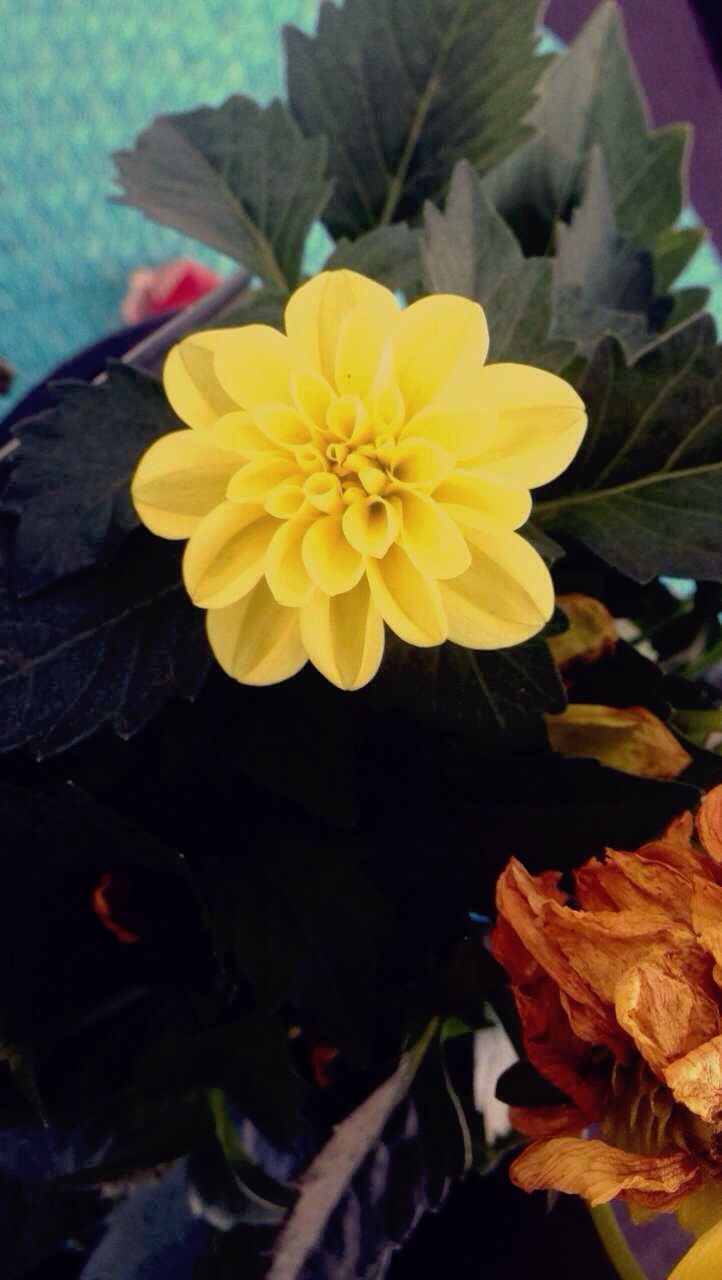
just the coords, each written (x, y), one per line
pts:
(81, 79)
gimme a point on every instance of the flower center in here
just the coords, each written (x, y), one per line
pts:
(357, 443)
(642, 1116)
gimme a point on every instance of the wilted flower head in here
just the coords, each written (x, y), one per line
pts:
(620, 999)
(364, 468)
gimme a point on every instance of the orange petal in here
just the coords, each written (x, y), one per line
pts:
(526, 902)
(696, 1080)
(709, 823)
(546, 1122)
(628, 738)
(663, 1006)
(707, 920)
(601, 946)
(598, 1172)
(591, 632)
(630, 882)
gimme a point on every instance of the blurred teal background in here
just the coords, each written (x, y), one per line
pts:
(79, 79)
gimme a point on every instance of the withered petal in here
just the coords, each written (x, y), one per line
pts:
(630, 882)
(590, 1168)
(664, 1007)
(547, 1122)
(709, 823)
(696, 1080)
(707, 920)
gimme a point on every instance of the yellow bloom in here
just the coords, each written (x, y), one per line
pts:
(364, 468)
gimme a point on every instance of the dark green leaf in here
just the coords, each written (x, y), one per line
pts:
(402, 91)
(521, 1085)
(387, 254)
(645, 491)
(70, 483)
(470, 250)
(589, 96)
(494, 699)
(106, 646)
(303, 921)
(239, 177)
(319, 726)
(603, 287)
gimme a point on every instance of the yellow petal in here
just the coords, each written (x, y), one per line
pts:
(190, 381)
(421, 463)
(323, 491)
(287, 501)
(315, 312)
(255, 481)
(254, 366)
(433, 540)
(283, 424)
(256, 640)
(461, 432)
(362, 337)
(535, 423)
(238, 433)
(312, 396)
(344, 636)
(704, 1260)
(407, 599)
(286, 574)
(505, 596)
(438, 343)
(334, 565)
(371, 525)
(178, 481)
(224, 557)
(484, 501)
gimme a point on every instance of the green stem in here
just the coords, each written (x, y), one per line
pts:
(611, 1236)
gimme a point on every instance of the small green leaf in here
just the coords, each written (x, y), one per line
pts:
(70, 483)
(590, 95)
(645, 491)
(674, 249)
(404, 90)
(470, 250)
(239, 177)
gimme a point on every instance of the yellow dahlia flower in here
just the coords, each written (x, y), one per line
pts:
(364, 468)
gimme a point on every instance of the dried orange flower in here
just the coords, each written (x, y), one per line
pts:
(620, 999)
